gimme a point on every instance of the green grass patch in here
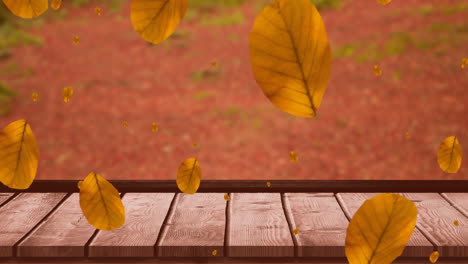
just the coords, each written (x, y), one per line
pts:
(214, 3)
(327, 4)
(229, 19)
(6, 95)
(112, 5)
(345, 51)
(201, 95)
(396, 75)
(458, 8)
(398, 43)
(233, 111)
(210, 74)
(11, 36)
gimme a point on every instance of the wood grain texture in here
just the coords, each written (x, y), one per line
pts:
(22, 214)
(417, 246)
(145, 214)
(321, 222)
(460, 202)
(195, 227)
(258, 226)
(435, 219)
(4, 197)
(64, 234)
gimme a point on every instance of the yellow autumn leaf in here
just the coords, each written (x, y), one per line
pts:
(188, 176)
(293, 156)
(195, 145)
(380, 229)
(268, 184)
(290, 56)
(154, 127)
(67, 94)
(383, 2)
(98, 11)
(434, 257)
(101, 203)
(295, 231)
(449, 155)
(456, 223)
(125, 123)
(19, 152)
(226, 197)
(27, 8)
(156, 20)
(76, 40)
(215, 252)
(55, 4)
(407, 135)
(213, 63)
(35, 96)
(377, 70)
(464, 62)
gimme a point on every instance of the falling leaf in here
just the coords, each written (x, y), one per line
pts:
(213, 63)
(456, 223)
(188, 176)
(434, 257)
(383, 2)
(35, 96)
(380, 229)
(295, 231)
(464, 62)
(215, 252)
(101, 203)
(293, 156)
(67, 94)
(449, 155)
(76, 40)
(268, 184)
(19, 152)
(55, 4)
(27, 8)
(290, 56)
(226, 197)
(156, 20)
(407, 135)
(195, 145)
(125, 123)
(154, 127)
(98, 11)
(377, 70)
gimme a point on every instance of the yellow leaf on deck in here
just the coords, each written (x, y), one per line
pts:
(226, 197)
(154, 127)
(100, 203)
(19, 155)
(55, 4)
(290, 56)
(213, 63)
(268, 184)
(98, 11)
(35, 96)
(215, 252)
(293, 156)
(76, 40)
(407, 135)
(456, 223)
(449, 155)
(464, 62)
(377, 70)
(434, 257)
(27, 8)
(195, 145)
(156, 20)
(189, 176)
(67, 94)
(383, 2)
(380, 229)
(295, 231)
(125, 123)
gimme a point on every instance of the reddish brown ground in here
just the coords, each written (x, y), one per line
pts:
(360, 132)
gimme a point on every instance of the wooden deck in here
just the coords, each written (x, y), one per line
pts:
(252, 224)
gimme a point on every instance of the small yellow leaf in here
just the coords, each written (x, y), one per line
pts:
(125, 123)
(195, 145)
(215, 252)
(268, 184)
(383, 2)
(98, 11)
(55, 4)
(156, 20)
(290, 56)
(154, 127)
(226, 197)
(434, 257)
(189, 176)
(456, 223)
(407, 135)
(293, 156)
(35, 96)
(27, 8)
(101, 203)
(464, 62)
(67, 94)
(295, 231)
(377, 70)
(213, 63)
(449, 155)
(380, 229)
(19, 155)
(76, 40)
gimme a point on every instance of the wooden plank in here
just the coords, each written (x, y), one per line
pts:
(250, 186)
(258, 226)
(195, 226)
(22, 214)
(417, 246)
(4, 197)
(145, 214)
(64, 234)
(460, 202)
(435, 219)
(321, 222)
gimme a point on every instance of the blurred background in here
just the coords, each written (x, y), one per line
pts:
(198, 87)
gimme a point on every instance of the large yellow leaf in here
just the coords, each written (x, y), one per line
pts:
(19, 155)
(188, 176)
(290, 56)
(101, 203)
(380, 229)
(449, 155)
(27, 8)
(156, 20)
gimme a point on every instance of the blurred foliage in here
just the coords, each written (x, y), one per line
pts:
(113, 5)
(6, 96)
(327, 4)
